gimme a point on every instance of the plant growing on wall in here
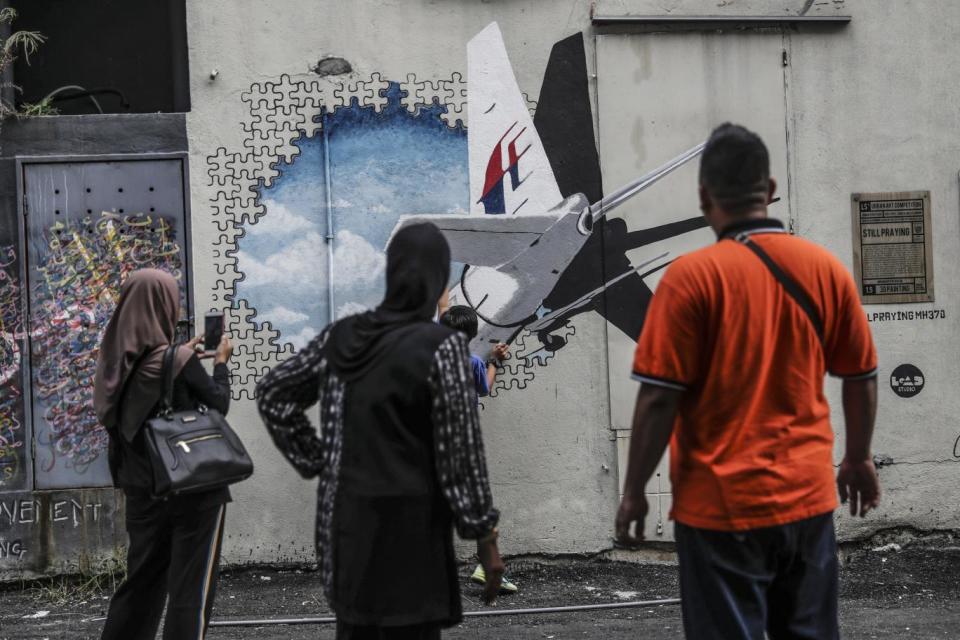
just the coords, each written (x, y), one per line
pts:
(18, 42)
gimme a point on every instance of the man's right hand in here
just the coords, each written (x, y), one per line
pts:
(633, 511)
(493, 567)
(858, 482)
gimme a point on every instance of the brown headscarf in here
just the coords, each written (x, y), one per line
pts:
(130, 363)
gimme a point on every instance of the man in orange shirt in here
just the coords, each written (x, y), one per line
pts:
(732, 357)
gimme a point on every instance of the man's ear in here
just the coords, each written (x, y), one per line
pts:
(706, 202)
(771, 190)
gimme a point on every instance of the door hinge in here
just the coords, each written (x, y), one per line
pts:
(26, 206)
(785, 58)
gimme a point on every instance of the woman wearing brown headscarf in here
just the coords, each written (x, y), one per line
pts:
(174, 543)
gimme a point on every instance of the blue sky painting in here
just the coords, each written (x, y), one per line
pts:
(382, 165)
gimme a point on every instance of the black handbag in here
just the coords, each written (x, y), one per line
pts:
(192, 451)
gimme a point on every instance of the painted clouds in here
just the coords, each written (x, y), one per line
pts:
(382, 165)
(286, 275)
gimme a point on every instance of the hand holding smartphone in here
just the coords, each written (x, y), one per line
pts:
(212, 331)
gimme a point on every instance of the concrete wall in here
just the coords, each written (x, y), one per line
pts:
(863, 107)
(868, 118)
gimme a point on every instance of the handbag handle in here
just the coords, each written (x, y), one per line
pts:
(166, 374)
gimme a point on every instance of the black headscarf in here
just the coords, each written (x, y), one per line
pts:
(418, 269)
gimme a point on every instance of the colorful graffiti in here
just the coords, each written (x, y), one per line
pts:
(81, 270)
(12, 433)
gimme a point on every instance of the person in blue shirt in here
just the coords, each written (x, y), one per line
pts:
(464, 319)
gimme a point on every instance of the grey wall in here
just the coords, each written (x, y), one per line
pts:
(877, 118)
(551, 430)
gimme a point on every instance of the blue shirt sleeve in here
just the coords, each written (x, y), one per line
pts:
(480, 376)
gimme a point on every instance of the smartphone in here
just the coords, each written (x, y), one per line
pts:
(212, 331)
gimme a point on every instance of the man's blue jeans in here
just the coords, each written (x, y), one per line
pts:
(777, 580)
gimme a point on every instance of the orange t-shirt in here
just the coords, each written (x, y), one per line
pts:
(752, 446)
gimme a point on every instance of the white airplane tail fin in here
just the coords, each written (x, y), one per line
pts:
(509, 169)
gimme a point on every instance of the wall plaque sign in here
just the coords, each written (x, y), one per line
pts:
(892, 247)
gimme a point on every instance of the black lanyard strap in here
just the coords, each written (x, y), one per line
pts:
(789, 284)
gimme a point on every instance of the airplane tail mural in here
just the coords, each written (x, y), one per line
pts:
(522, 235)
(519, 197)
(509, 170)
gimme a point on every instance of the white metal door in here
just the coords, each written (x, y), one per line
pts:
(658, 95)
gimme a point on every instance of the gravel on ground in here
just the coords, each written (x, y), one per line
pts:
(895, 592)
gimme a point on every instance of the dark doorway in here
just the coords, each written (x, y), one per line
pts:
(118, 56)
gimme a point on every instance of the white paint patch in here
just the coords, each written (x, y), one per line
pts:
(626, 595)
(38, 614)
(494, 288)
(300, 340)
(282, 315)
(279, 220)
(350, 309)
(289, 265)
(356, 261)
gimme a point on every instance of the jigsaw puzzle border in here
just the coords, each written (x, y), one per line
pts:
(280, 115)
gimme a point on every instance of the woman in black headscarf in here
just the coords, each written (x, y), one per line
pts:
(398, 452)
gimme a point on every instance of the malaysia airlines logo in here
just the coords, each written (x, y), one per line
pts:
(498, 167)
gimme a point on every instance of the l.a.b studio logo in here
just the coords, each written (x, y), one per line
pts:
(906, 381)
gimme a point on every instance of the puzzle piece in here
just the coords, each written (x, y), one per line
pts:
(409, 91)
(217, 170)
(527, 353)
(256, 348)
(448, 94)
(456, 91)
(367, 93)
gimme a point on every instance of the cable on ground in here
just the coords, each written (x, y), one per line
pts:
(469, 614)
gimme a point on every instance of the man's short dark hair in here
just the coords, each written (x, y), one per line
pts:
(461, 318)
(735, 168)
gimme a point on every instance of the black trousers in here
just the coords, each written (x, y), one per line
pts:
(173, 557)
(779, 580)
(417, 632)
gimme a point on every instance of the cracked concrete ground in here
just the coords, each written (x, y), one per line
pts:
(911, 592)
